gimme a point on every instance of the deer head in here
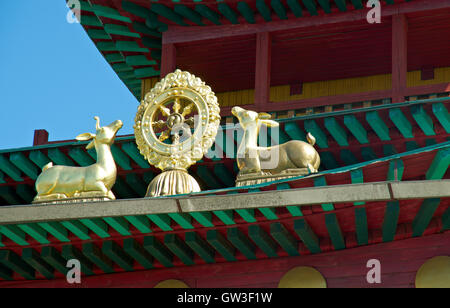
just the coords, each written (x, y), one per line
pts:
(103, 135)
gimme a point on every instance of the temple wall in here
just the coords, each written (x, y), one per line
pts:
(322, 88)
(400, 260)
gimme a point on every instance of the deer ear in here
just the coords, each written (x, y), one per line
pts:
(264, 115)
(85, 137)
(270, 123)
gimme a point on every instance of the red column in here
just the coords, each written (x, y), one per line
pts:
(262, 71)
(399, 57)
(168, 59)
(40, 137)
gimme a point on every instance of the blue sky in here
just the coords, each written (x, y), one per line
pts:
(52, 77)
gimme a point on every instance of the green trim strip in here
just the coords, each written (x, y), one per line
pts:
(439, 166)
(325, 4)
(225, 216)
(157, 250)
(263, 241)
(216, 240)
(446, 220)
(204, 218)
(96, 256)
(140, 222)
(162, 221)
(135, 250)
(321, 181)
(112, 250)
(179, 248)
(97, 225)
(295, 7)
(77, 228)
(6, 273)
(284, 239)
(36, 232)
(120, 224)
(401, 122)
(183, 219)
(200, 246)
(390, 221)
(321, 138)
(15, 234)
(50, 255)
(13, 261)
(71, 252)
(441, 113)
(310, 6)
(355, 127)
(7, 167)
(241, 242)
(33, 259)
(334, 231)
(228, 12)
(362, 228)
(424, 216)
(24, 164)
(423, 120)
(307, 235)
(246, 12)
(279, 9)
(377, 124)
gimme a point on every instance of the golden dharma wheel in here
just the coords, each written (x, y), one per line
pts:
(175, 126)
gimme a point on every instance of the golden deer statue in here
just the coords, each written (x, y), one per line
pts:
(292, 155)
(94, 181)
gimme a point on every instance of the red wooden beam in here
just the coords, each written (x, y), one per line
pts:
(428, 89)
(40, 137)
(399, 57)
(168, 59)
(262, 70)
(178, 34)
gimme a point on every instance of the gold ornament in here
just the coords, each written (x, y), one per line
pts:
(175, 126)
(62, 184)
(264, 164)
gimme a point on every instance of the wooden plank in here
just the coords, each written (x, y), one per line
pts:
(209, 14)
(423, 119)
(97, 225)
(284, 239)
(162, 221)
(15, 234)
(321, 138)
(33, 259)
(140, 222)
(157, 250)
(377, 124)
(439, 166)
(8, 168)
(221, 245)
(200, 247)
(246, 12)
(225, 216)
(113, 251)
(97, 257)
(71, 252)
(50, 255)
(24, 164)
(390, 221)
(241, 242)
(263, 9)
(321, 181)
(131, 149)
(424, 216)
(263, 241)
(59, 158)
(179, 248)
(183, 219)
(401, 122)
(137, 252)
(396, 170)
(307, 235)
(36, 232)
(263, 68)
(120, 224)
(441, 113)
(14, 262)
(77, 228)
(204, 218)
(355, 127)
(336, 130)
(334, 231)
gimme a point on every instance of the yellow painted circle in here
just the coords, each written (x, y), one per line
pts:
(303, 277)
(171, 284)
(435, 273)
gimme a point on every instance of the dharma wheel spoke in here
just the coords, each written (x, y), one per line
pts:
(165, 111)
(159, 124)
(188, 109)
(164, 135)
(190, 121)
(176, 105)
